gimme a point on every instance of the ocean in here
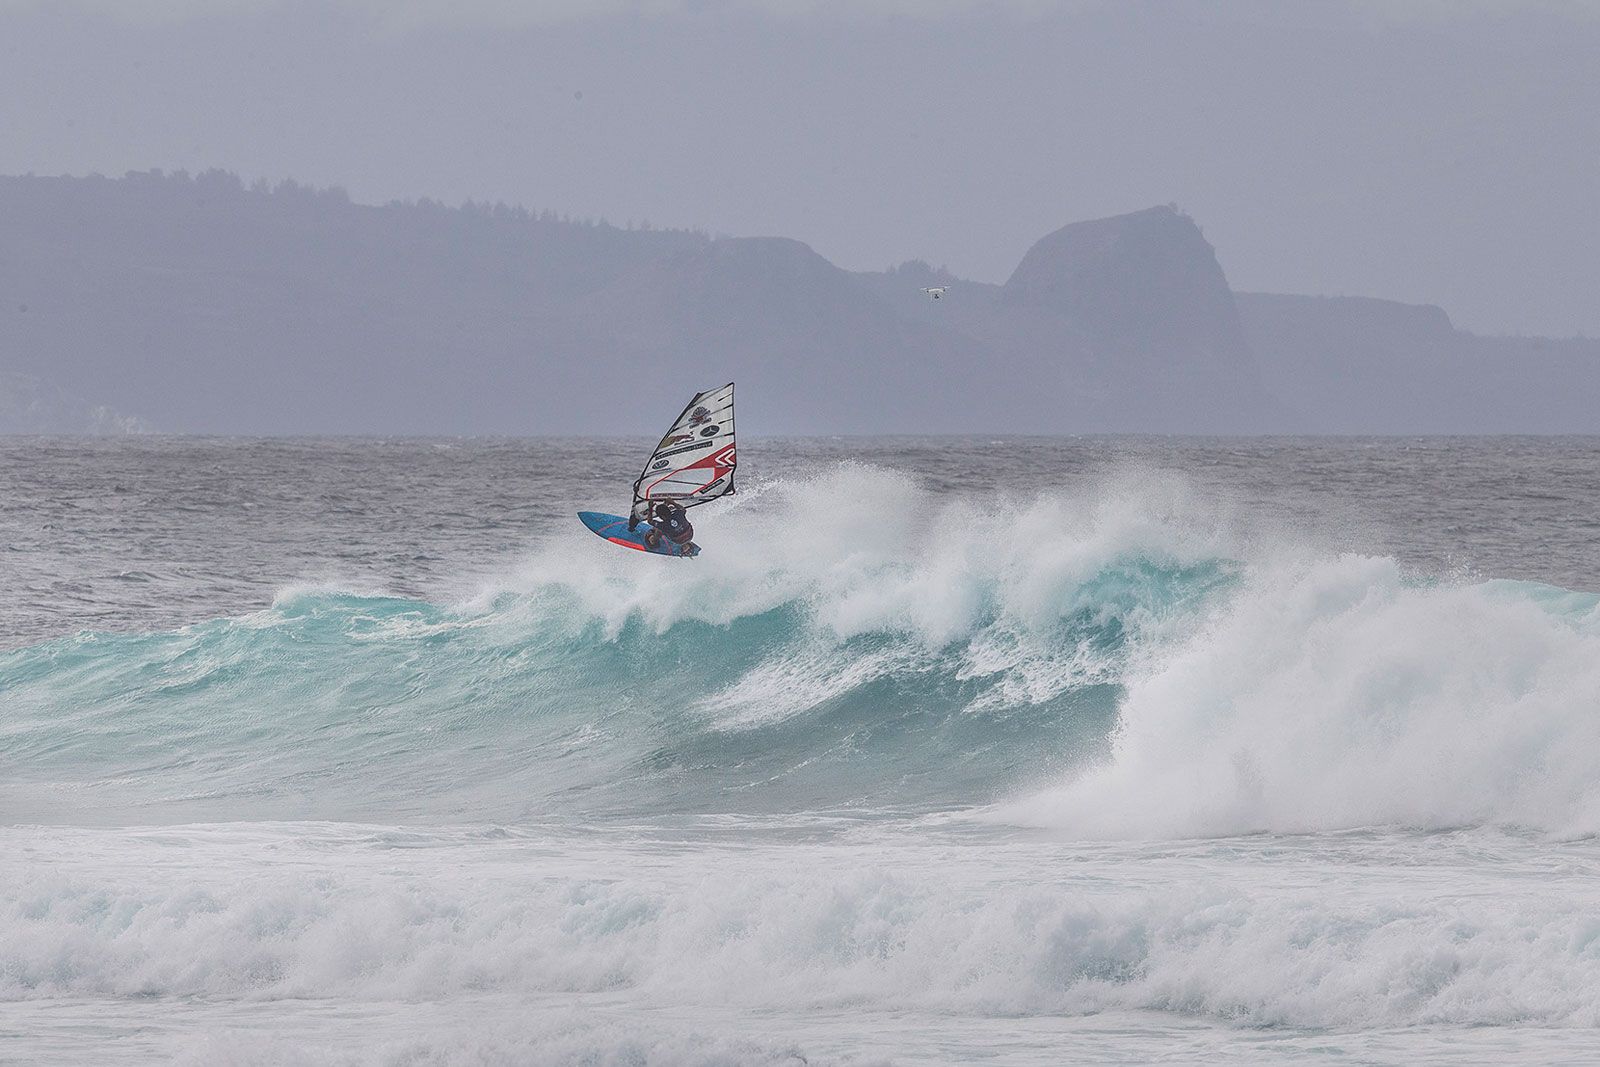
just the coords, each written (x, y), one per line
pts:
(945, 751)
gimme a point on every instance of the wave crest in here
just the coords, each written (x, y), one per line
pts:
(856, 640)
(1341, 695)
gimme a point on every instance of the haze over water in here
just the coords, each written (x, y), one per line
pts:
(1111, 749)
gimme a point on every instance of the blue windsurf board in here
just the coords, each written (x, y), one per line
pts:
(614, 528)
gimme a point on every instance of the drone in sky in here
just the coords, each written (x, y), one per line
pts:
(935, 292)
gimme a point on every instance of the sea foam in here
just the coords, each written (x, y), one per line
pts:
(855, 640)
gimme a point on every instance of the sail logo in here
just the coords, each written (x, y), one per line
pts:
(693, 446)
(721, 462)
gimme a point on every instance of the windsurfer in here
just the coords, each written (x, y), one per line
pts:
(669, 519)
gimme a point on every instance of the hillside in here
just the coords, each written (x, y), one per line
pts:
(1358, 365)
(199, 305)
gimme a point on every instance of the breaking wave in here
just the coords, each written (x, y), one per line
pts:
(877, 754)
(1125, 662)
(1340, 695)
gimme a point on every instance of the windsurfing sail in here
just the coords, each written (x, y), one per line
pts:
(694, 461)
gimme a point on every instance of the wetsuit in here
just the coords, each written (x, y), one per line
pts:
(670, 520)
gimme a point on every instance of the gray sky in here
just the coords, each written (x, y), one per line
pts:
(1441, 151)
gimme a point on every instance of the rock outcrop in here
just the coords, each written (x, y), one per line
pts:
(1154, 331)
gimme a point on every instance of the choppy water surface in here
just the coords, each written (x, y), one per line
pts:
(945, 750)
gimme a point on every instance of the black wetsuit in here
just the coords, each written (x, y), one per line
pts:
(669, 518)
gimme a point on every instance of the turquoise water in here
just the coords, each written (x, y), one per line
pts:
(359, 752)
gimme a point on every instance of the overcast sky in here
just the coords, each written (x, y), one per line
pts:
(1441, 151)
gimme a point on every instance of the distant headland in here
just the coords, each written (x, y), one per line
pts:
(199, 304)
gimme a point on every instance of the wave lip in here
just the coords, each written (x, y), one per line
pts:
(1337, 695)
